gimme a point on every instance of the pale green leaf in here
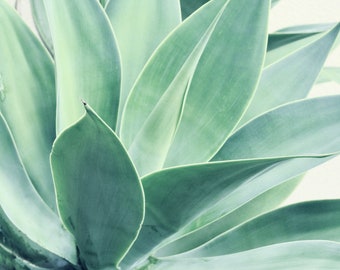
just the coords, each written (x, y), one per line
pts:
(306, 28)
(311, 255)
(156, 118)
(27, 98)
(15, 240)
(197, 233)
(139, 26)
(24, 207)
(9, 260)
(174, 197)
(292, 77)
(87, 61)
(308, 126)
(99, 195)
(189, 6)
(41, 23)
(190, 194)
(305, 221)
(329, 74)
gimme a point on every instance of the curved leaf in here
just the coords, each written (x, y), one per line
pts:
(152, 21)
(292, 77)
(18, 197)
(308, 126)
(100, 197)
(188, 7)
(312, 255)
(8, 260)
(305, 221)
(306, 28)
(87, 61)
(189, 192)
(198, 232)
(15, 240)
(173, 106)
(27, 97)
(329, 74)
(41, 23)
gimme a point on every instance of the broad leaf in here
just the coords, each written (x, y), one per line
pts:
(87, 61)
(318, 220)
(306, 126)
(27, 98)
(23, 206)
(292, 77)
(189, 193)
(137, 38)
(312, 255)
(41, 23)
(176, 197)
(171, 112)
(197, 233)
(100, 198)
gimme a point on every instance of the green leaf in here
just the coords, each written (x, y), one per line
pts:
(87, 61)
(41, 23)
(100, 197)
(104, 2)
(169, 117)
(137, 38)
(312, 255)
(188, 7)
(176, 197)
(9, 260)
(305, 221)
(306, 28)
(197, 233)
(292, 77)
(329, 74)
(18, 198)
(303, 127)
(27, 98)
(15, 240)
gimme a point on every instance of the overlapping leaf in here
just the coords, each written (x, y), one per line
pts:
(197, 233)
(100, 198)
(41, 23)
(169, 117)
(27, 98)
(24, 208)
(292, 77)
(18, 243)
(313, 255)
(210, 191)
(137, 38)
(87, 61)
(305, 221)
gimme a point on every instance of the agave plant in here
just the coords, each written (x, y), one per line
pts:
(134, 139)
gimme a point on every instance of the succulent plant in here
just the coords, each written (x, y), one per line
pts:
(134, 139)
